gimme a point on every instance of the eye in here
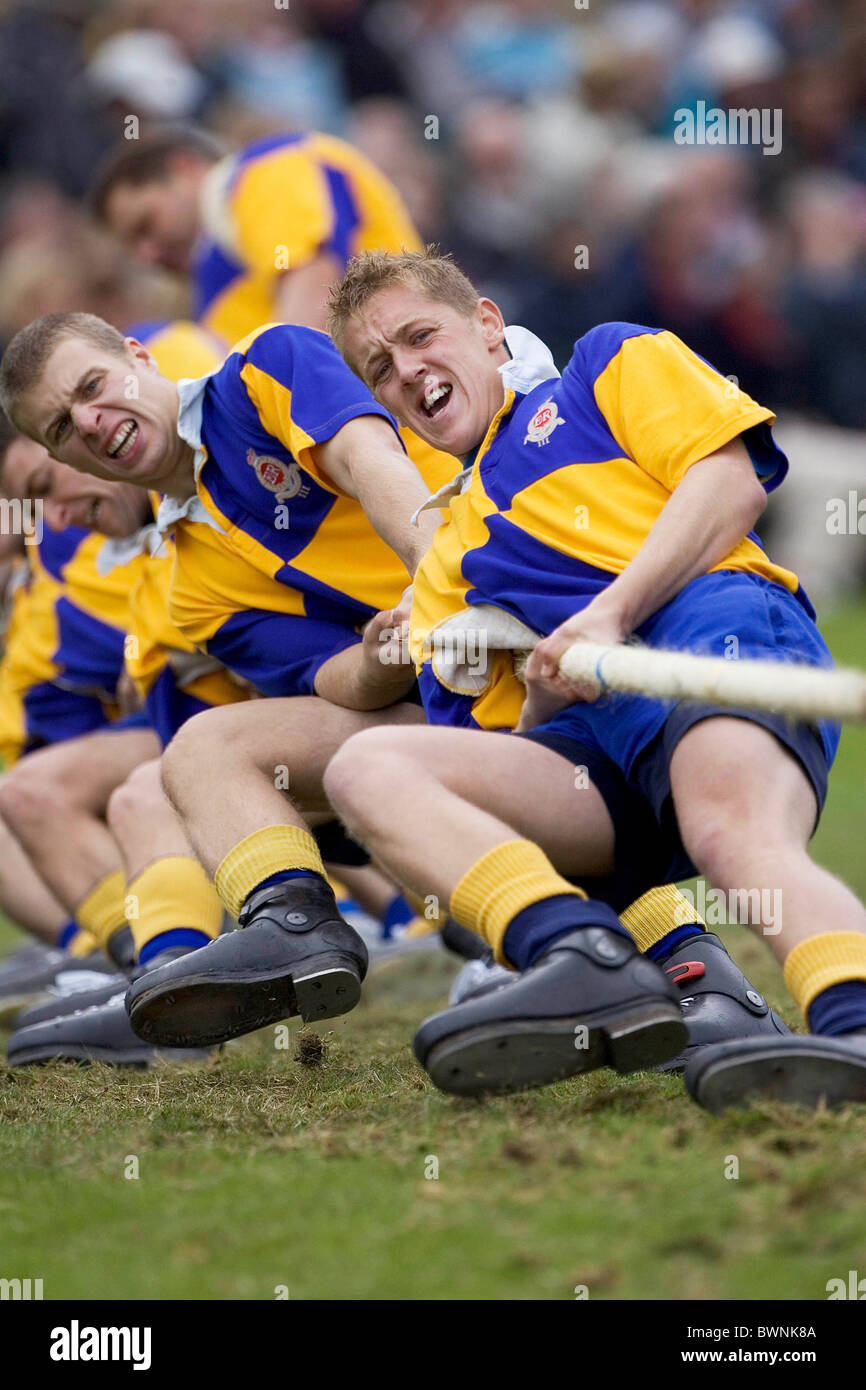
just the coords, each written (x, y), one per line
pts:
(381, 372)
(421, 335)
(91, 385)
(61, 428)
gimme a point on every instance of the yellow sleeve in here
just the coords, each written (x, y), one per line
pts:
(667, 408)
(282, 212)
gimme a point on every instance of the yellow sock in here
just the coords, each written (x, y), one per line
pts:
(101, 913)
(173, 892)
(83, 944)
(828, 958)
(504, 881)
(262, 854)
(658, 912)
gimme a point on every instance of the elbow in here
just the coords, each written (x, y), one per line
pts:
(755, 503)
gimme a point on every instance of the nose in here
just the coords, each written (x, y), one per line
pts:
(147, 250)
(87, 419)
(56, 514)
(408, 366)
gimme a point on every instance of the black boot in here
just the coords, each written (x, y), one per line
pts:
(718, 1002)
(101, 1033)
(590, 1001)
(295, 955)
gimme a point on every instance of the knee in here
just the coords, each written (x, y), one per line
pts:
(719, 843)
(139, 797)
(28, 793)
(356, 777)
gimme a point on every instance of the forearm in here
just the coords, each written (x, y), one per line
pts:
(350, 679)
(714, 507)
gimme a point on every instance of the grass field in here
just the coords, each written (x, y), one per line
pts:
(259, 1172)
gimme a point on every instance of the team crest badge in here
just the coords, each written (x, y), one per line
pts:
(282, 479)
(543, 423)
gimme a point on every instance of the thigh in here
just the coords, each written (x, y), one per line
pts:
(543, 795)
(85, 771)
(734, 775)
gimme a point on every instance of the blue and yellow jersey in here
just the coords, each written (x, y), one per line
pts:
(281, 537)
(273, 207)
(174, 679)
(565, 487)
(65, 645)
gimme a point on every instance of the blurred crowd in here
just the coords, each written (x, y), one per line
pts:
(533, 138)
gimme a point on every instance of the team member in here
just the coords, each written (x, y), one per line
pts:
(282, 433)
(146, 877)
(263, 232)
(616, 500)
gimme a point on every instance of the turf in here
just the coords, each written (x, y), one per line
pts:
(274, 1170)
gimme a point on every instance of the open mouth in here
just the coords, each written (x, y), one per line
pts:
(122, 440)
(436, 396)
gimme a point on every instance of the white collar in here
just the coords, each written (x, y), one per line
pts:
(531, 361)
(190, 391)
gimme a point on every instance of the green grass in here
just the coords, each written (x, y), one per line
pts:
(258, 1171)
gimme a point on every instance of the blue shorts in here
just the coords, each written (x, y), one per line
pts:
(626, 741)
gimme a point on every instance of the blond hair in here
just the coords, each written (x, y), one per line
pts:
(429, 271)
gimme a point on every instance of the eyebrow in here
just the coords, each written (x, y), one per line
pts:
(404, 329)
(77, 389)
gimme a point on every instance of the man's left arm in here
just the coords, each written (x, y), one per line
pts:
(708, 513)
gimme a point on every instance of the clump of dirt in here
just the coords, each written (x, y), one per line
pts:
(310, 1049)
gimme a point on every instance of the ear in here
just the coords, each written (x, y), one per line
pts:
(139, 353)
(491, 323)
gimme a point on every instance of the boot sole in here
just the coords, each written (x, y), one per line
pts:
(42, 1053)
(513, 1055)
(793, 1077)
(204, 1010)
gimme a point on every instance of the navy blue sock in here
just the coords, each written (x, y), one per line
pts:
(838, 1009)
(67, 935)
(397, 914)
(672, 940)
(176, 936)
(534, 930)
(283, 877)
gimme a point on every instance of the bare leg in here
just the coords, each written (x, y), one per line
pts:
(428, 803)
(23, 896)
(746, 811)
(54, 801)
(143, 821)
(235, 770)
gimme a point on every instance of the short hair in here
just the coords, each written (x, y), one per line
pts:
(435, 274)
(24, 360)
(137, 162)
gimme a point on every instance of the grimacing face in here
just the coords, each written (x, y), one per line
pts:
(434, 368)
(69, 498)
(112, 416)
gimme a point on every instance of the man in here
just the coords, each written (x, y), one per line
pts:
(263, 232)
(616, 500)
(283, 422)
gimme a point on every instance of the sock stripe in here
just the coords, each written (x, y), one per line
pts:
(260, 855)
(828, 958)
(503, 882)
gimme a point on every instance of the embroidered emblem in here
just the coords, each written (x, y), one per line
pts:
(282, 479)
(543, 423)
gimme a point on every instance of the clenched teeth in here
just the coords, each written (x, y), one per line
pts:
(121, 440)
